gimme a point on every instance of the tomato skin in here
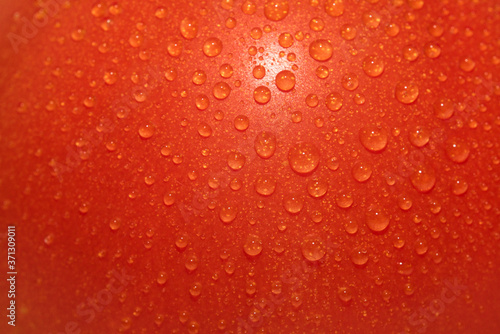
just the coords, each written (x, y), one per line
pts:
(141, 209)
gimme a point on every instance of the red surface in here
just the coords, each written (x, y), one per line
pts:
(99, 207)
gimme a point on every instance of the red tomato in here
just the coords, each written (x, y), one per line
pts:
(251, 166)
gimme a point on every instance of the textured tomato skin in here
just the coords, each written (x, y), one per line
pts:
(103, 174)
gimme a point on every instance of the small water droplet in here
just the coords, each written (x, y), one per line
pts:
(293, 204)
(344, 294)
(236, 160)
(317, 188)
(303, 157)
(285, 80)
(443, 108)
(195, 291)
(204, 130)
(457, 150)
(265, 185)
(227, 214)
(248, 7)
(377, 219)
(162, 278)
(115, 224)
(253, 245)
(146, 131)
(262, 94)
(362, 171)
(265, 144)
(313, 248)
(221, 90)
(259, 72)
(334, 101)
(419, 136)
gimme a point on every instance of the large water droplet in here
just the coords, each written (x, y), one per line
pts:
(236, 160)
(334, 7)
(377, 219)
(221, 90)
(457, 150)
(373, 66)
(276, 10)
(253, 245)
(313, 248)
(334, 101)
(406, 92)
(321, 50)
(423, 178)
(373, 138)
(303, 157)
(419, 136)
(212, 47)
(189, 28)
(262, 94)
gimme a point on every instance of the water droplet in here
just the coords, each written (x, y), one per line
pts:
(204, 130)
(377, 219)
(467, 64)
(296, 299)
(110, 77)
(373, 66)
(359, 256)
(404, 202)
(174, 47)
(195, 291)
(189, 28)
(312, 100)
(344, 200)
(303, 157)
(262, 94)
(285, 80)
(334, 101)
(334, 8)
(313, 248)
(421, 246)
(457, 150)
(362, 171)
(416, 4)
(241, 122)
(202, 102)
(293, 204)
(348, 32)
(227, 214)
(191, 262)
(265, 185)
(169, 199)
(162, 278)
(248, 7)
(419, 136)
(226, 71)
(350, 81)
(146, 131)
(321, 50)
(236, 160)
(115, 224)
(443, 108)
(459, 186)
(344, 294)
(259, 71)
(406, 92)
(410, 53)
(351, 227)
(371, 20)
(199, 77)
(276, 10)
(432, 50)
(317, 24)
(317, 188)
(265, 144)
(221, 90)
(212, 47)
(253, 245)
(423, 178)
(181, 241)
(373, 138)
(276, 287)
(322, 72)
